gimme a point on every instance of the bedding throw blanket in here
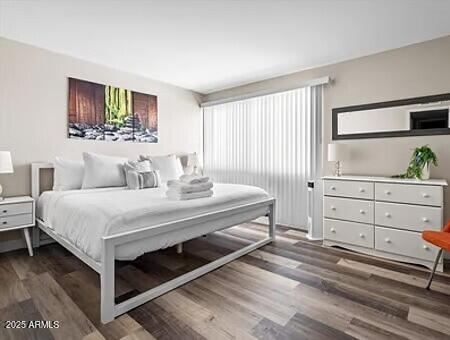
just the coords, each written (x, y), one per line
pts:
(189, 187)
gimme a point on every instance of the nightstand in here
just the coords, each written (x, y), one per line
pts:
(18, 213)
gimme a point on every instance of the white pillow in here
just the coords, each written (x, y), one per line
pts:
(103, 171)
(68, 174)
(169, 166)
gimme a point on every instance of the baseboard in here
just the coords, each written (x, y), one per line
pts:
(19, 243)
(11, 245)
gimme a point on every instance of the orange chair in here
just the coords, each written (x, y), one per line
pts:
(440, 239)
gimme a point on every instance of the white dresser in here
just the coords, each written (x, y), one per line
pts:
(383, 216)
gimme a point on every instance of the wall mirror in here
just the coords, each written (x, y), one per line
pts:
(418, 116)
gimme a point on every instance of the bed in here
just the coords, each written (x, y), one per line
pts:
(100, 226)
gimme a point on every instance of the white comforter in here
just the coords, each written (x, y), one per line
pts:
(83, 216)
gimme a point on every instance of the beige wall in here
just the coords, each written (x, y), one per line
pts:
(416, 70)
(33, 111)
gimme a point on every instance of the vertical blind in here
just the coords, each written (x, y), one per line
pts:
(268, 142)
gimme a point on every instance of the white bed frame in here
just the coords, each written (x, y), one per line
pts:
(106, 269)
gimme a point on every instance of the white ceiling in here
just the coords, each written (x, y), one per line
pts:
(208, 45)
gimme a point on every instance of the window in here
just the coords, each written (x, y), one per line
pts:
(267, 141)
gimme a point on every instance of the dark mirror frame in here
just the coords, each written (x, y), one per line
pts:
(381, 105)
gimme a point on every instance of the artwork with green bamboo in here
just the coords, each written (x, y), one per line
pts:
(108, 113)
(118, 105)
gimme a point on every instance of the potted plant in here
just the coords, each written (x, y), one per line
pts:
(420, 163)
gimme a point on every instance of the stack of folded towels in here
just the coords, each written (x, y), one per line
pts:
(189, 187)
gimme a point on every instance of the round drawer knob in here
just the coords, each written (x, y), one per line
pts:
(362, 212)
(425, 219)
(5, 211)
(425, 195)
(5, 222)
(333, 230)
(361, 235)
(333, 207)
(333, 187)
(362, 190)
(426, 247)
(387, 240)
(387, 192)
(387, 214)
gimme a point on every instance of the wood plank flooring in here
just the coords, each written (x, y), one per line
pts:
(291, 289)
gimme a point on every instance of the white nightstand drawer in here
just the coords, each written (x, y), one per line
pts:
(349, 232)
(354, 189)
(409, 217)
(15, 221)
(407, 243)
(348, 209)
(16, 209)
(409, 193)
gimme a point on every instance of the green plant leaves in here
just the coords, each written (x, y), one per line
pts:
(420, 157)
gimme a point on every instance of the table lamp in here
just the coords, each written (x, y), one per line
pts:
(338, 153)
(193, 162)
(6, 167)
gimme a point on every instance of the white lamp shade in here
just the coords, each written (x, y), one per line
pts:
(338, 152)
(193, 159)
(6, 166)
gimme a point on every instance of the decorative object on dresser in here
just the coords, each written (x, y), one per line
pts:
(383, 216)
(420, 164)
(338, 153)
(18, 213)
(6, 167)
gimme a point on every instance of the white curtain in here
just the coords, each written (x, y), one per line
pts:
(269, 142)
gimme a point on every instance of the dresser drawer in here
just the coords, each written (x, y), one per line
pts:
(348, 209)
(407, 243)
(349, 232)
(15, 221)
(354, 189)
(409, 217)
(409, 193)
(15, 209)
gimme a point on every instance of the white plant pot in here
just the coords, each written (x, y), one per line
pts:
(426, 171)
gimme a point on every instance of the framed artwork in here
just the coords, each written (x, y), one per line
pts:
(108, 113)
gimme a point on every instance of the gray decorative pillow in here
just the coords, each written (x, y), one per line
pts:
(139, 177)
(132, 177)
(143, 165)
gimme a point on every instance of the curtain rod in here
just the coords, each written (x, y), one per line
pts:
(306, 83)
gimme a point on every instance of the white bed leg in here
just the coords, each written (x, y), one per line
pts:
(179, 248)
(107, 282)
(272, 224)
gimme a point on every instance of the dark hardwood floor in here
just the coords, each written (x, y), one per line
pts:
(292, 289)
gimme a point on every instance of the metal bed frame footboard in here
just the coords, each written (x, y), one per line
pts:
(109, 310)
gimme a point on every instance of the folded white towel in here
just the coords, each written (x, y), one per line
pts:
(194, 179)
(185, 188)
(173, 195)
